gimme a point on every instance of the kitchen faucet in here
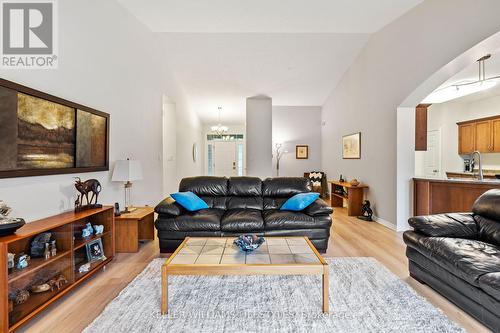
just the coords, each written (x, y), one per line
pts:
(480, 175)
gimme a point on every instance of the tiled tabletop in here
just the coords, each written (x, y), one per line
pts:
(222, 250)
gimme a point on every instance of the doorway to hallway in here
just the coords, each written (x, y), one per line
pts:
(225, 155)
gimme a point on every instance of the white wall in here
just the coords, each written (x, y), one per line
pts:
(259, 136)
(297, 125)
(395, 61)
(108, 61)
(445, 116)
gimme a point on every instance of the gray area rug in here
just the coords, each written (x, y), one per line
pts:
(364, 297)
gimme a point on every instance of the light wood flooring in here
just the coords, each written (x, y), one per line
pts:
(350, 238)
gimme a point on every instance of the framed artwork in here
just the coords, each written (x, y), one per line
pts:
(351, 146)
(302, 152)
(95, 251)
(45, 135)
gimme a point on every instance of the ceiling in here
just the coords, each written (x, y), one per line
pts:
(222, 51)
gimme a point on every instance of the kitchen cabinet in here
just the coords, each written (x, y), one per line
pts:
(482, 135)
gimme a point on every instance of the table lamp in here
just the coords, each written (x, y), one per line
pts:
(127, 171)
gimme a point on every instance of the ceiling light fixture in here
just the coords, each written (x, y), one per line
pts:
(465, 88)
(219, 129)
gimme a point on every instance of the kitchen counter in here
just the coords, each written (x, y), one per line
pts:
(489, 174)
(442, 195)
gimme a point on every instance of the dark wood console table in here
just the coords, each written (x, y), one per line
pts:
(352, 194)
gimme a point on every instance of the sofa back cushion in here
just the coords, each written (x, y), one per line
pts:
(277, 190)
(244, 192)
(213, 190)
(486, 211)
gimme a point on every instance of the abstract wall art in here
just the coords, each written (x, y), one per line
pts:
(43, 134)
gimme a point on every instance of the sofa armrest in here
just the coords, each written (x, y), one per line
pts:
(169, 207)
(456, 225)
(318, 207)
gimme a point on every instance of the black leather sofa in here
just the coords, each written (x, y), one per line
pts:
(458, 255)
(242, 205)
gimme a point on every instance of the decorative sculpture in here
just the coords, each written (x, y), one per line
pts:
(22, 261)
(87, 231)
(8, 225)
(89, 186)
(57, 282)
(99, 229)
(20, 296)
(38, 244)
(366, 211)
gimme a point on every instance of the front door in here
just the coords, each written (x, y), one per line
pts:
(225, 159)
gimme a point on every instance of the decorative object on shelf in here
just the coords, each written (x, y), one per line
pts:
(57, 282)
(302, 152)
(8, 225)
(117, 209)
(95, 251)
(53, 248)
(366, 211)
(249, 243)
(46, 252)
(354, 182)
(219, 129)
(279, 154)
(89, 186)
(351, 146)
(84, 268)
(99, 229)
(127, 171)
(47, 135)
(37, 249)
(87, 231)
(341, 179)
(22, 261)
(19, 296)
(40, 288)
(10, 262)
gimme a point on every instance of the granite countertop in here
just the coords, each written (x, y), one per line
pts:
(489, 173)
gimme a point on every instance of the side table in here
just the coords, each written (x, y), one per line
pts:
(133, 226)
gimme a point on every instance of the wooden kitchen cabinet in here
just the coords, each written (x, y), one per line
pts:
(466, 138)
(482, 135)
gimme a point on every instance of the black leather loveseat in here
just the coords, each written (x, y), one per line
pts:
(242, 205)
(459, 256)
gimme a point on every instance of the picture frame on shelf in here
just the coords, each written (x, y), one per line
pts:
(351, 146)
(95, 251)
(302, 152)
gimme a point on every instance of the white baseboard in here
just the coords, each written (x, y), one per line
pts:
(385, 223)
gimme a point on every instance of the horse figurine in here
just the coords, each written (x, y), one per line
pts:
(89, 186)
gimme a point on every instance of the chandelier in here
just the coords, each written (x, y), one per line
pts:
(464, 88)
(219, 129)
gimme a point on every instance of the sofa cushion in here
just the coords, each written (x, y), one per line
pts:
(189, 201)
(201, 220)
(285, 187)
(278, 219)
(299, 201)
(242, 220)
(489, 230)
(245, 186)
(465, 258)
(490, 284)
(204, 186)
(457, 225)
(488, 205)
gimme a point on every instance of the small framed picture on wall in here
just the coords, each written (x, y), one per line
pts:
(351, 146)
(302, 152)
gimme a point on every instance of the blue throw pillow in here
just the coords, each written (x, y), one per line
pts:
(189, 200)
(300, 201)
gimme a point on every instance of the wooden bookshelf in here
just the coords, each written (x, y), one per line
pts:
(352, 194)
(71, 253)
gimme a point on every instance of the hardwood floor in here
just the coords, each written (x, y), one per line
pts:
(350, 238)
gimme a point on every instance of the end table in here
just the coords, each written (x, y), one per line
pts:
(133, 226)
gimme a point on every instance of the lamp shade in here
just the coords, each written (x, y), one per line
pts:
(127, 170)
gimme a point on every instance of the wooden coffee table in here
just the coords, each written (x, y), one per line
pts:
(220, 256)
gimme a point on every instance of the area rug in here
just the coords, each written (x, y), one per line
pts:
(364, 297)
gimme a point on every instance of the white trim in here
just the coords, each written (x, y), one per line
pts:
(385, 223)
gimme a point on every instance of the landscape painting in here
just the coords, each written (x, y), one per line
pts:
(46, 134)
